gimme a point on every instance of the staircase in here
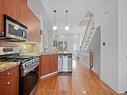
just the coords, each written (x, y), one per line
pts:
(88, 34)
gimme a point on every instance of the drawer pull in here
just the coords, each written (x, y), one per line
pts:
(7, 74)
(8, 83)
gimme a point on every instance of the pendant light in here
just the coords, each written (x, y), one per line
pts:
(54, 21)
(67, 24)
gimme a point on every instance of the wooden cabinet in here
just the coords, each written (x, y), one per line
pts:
(14, 8)
(34, 27)
(48, 64)
(1, 6)
(18, 10)
(1, 17)
(1, 24)
(24, 14)
(9, 82)
(54, 63)
(11, 8)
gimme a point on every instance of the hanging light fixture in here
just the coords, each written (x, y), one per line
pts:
(54, 21)
(67, 24)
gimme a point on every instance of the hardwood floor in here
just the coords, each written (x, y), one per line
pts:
(81, 82)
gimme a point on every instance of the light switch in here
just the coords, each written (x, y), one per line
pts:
(104, 43)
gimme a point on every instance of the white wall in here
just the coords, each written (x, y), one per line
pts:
(108, 20)
(96, 48)
(122, 14)
(71, 39)
(47, 40)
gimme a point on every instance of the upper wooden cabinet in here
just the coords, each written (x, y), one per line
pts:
(10, 7)
(33, 27)
(18, 10)
(1, 6)
(1, 16)
(15, 8)
(1, 24)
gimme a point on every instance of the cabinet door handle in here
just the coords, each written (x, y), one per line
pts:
(8, 83)
(7, 74)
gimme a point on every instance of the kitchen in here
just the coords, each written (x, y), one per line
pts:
(52, 47)
(22, 63)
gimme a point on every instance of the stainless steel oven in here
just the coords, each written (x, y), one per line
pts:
(29, 76)
(29, 82)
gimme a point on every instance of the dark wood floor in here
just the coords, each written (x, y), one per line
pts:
(81, 82)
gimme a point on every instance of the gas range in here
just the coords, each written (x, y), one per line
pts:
(29, 69)
(26, 62)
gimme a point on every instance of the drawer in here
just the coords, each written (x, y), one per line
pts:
(9, 81)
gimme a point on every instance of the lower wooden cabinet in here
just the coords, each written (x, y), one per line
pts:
(54, 63)
(48, 64)
(9, 82)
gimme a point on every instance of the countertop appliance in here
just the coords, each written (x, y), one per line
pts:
(65, 62)
(29, 72)
(13, 30)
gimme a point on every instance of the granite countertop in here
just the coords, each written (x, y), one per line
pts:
(7, 65)
(47, 53)
(39, 54)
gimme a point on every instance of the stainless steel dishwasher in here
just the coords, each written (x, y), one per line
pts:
(65, 62)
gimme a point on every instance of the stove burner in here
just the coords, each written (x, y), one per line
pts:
(25, 61)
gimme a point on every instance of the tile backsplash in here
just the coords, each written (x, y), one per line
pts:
(21, 47)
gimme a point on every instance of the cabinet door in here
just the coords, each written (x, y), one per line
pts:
(13, 8)
(54, 63)
(47, 64)
(1, 6)
(14, 80)
(33, 27)
(2, 84)
(1, 17)
(23, 11)
(9, 81)
(1, 24)
(9, 7)
(42, 67)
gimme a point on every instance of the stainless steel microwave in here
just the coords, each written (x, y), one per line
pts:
(14, 29)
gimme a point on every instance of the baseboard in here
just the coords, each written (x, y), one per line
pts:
(49, 75)
(103, 82)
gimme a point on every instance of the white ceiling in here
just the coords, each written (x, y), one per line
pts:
(77, 10)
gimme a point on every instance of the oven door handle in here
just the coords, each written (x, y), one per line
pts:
(25, 72)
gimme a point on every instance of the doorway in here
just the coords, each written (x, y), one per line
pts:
(95, 52)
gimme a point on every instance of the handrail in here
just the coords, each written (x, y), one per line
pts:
(86, 31)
